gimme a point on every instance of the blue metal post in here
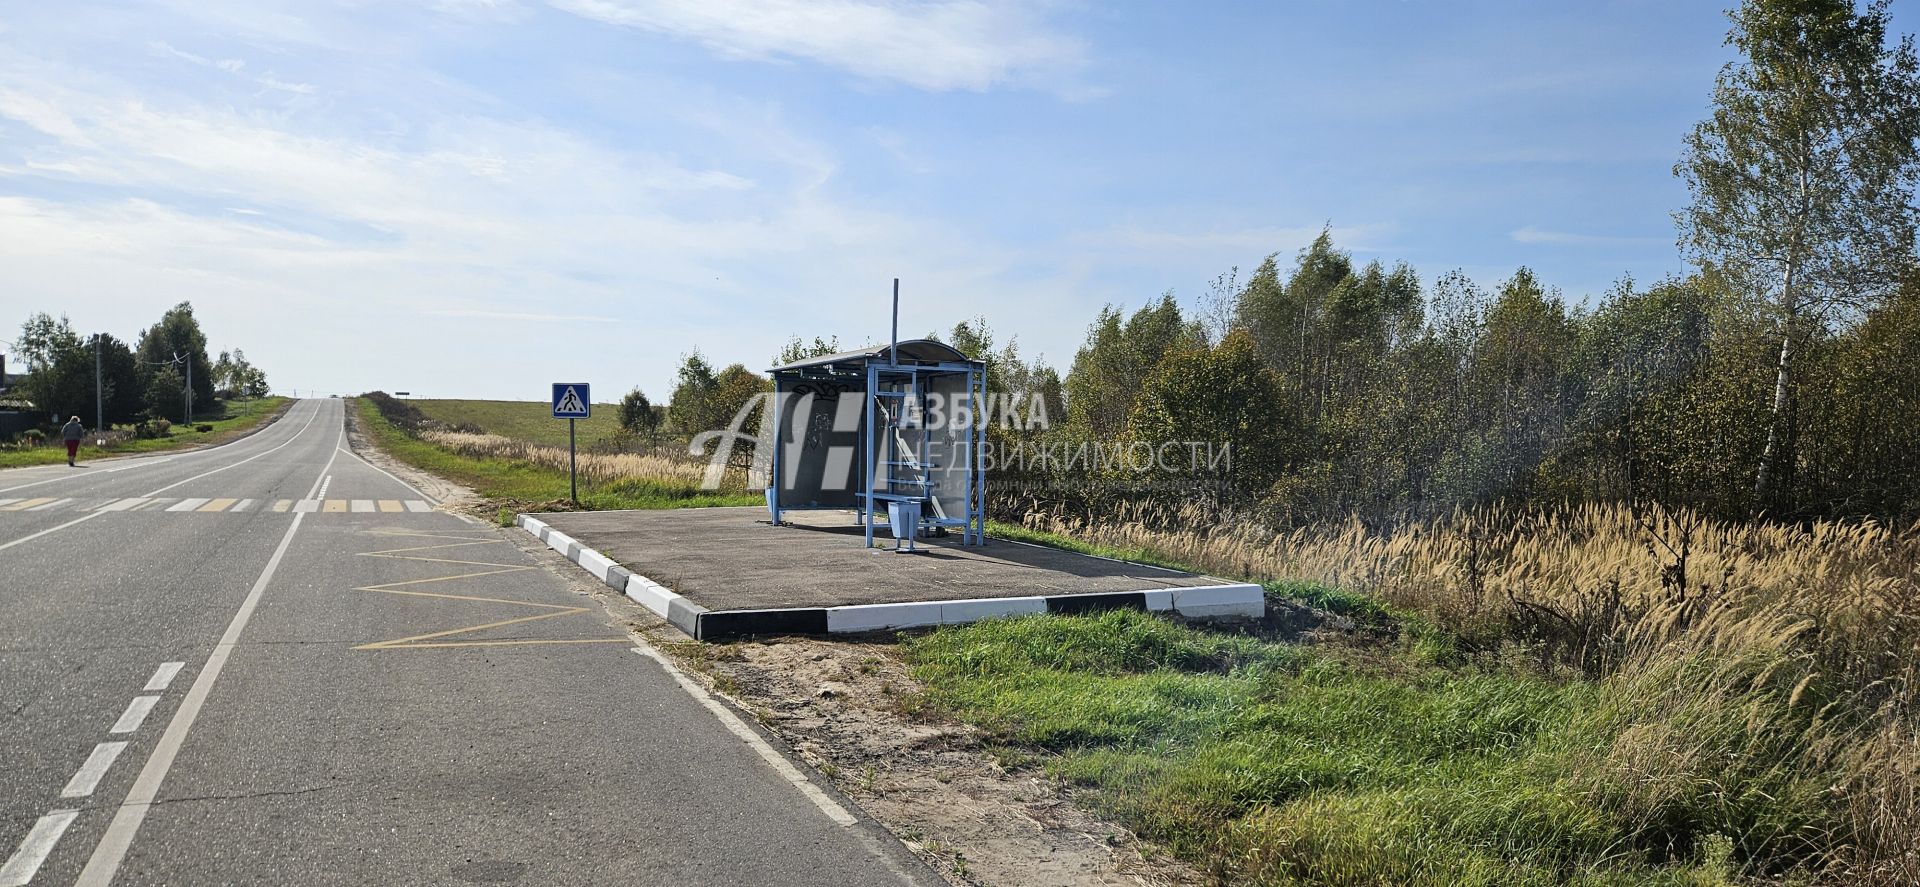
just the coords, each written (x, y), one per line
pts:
(866, 448)
(779, 445)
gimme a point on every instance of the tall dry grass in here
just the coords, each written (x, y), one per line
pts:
(1760, 679)
(606, 468)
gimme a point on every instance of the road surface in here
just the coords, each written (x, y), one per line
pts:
(273, 663)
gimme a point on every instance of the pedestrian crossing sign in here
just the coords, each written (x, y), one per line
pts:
(571, 400)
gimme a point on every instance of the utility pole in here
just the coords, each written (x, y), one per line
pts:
(188, 360)
(99, 400)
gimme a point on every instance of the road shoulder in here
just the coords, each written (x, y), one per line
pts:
(845, 708)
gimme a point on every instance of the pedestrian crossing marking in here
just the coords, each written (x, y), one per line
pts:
(225, 505)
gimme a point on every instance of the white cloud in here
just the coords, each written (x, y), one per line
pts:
(940, 45)
(1532, 234)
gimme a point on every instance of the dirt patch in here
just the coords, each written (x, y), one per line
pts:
(845, 707)
(452, 496)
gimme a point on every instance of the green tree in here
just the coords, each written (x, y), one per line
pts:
(797, 350)
(1802, 179)
(177, 335)
(687, 410)
(637, 415)
(1222, 396)
(1119, 356)
(166, 392)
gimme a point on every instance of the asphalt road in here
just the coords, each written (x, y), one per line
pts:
(272, 663)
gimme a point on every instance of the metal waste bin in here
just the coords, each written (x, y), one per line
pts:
(904, 517)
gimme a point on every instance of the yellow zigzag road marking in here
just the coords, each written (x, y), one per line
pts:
(427, 640)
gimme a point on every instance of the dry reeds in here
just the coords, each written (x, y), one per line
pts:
(1741, 660)
(594, 467)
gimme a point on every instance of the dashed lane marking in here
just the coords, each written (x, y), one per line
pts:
(87, 778)
(25, 862)
(135, 715)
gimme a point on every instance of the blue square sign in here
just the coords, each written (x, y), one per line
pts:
(571, 400)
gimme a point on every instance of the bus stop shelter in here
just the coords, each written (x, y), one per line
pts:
(894, 432)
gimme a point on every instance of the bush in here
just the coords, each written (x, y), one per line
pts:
(203, 428)
(32, 437)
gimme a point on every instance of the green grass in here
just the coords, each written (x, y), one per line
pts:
(241, 416)
(521, 484)
(523, 420)
(1267, 763)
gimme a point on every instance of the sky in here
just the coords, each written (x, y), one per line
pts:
(474, 198)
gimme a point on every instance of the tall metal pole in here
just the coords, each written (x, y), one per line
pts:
(99, 404)
(573, 466)
(893, 353)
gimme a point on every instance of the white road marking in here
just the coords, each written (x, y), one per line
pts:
(362, 505)
(163, 676)
(768, 753)
(6, 502)
(306, 506)
(83, 783)
(241, 505)
(51, 505)
(25, 862)
(122, 504)
(188, 504)
(135, 715)
(417, 491)
(53, 529)
(416, 505)
(114, 845)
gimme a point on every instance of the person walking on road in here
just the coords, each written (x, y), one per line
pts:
(72, 433)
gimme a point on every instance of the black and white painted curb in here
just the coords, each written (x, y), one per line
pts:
(1201, 602)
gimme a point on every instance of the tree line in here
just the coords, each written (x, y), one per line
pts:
(149, 380)
(1780, 376)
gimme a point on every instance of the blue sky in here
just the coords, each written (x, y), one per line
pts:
(477, 197)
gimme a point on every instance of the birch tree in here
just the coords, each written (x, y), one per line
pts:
(1803, 177)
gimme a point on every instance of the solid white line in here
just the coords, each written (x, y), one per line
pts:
(416, 490)
(774, 759)
(53, 529)
(163, 676)
(24, 862)
(114, 845)
(83, 783)
(135, 715)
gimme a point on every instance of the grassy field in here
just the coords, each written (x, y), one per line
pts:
(1522, 699)
(530, 421)
(241, 416)
(522, 478)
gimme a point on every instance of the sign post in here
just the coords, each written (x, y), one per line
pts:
(571, 401)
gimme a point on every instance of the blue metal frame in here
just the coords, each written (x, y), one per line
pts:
(877, 465)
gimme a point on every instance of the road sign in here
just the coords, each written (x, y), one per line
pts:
(571, 400)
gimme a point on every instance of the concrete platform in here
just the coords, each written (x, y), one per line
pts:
(719, 572)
